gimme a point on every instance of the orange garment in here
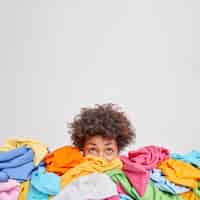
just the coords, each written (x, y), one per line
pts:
(92, 164)
(180, 173)
(62, 159)
(189, 196)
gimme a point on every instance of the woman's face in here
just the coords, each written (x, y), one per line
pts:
(101, 147)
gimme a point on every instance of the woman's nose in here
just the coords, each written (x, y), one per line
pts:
(101, 154)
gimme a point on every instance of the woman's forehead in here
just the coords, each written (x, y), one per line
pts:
(100, 139)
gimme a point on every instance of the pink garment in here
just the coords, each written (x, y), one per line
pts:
(149, 156)
(137, 175)
(9, 190)
(113, 198)
(138, 163)
(120, 189)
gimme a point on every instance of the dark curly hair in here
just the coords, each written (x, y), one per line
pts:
(105, 120)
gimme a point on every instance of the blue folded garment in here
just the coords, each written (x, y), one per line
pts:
(192, 157)
(21, 173)
(9, 155)
(18, 161)
(16, 164)
(3, 177)
(43, 184)
(165, 185)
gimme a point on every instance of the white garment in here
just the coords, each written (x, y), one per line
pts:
(95, 186)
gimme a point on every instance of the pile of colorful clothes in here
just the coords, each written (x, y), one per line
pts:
(28, 170)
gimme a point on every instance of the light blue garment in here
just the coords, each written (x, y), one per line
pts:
(124, 197)
(192, 157)
(16, 164)
(43, 184)
(165, 185)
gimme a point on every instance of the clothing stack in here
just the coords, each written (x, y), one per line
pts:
(28, 171)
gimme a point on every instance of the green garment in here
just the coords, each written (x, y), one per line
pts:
(153, 193)
(118, 176)
(197, 190)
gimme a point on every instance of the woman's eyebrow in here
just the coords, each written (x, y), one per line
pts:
(108, 143)
(92, 144)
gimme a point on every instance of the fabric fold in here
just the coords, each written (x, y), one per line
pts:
(16, 164)
(137, 175)
(43, 184)
(40, 150)
(9, 190)
(180, 173)
(119, 177)
(96, 186)
(63, 159)
(165, 185)
(149, 156)
(90, 165)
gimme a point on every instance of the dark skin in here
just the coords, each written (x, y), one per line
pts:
(102, 147)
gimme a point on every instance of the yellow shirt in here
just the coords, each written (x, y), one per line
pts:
(90, 165)
(39, 149)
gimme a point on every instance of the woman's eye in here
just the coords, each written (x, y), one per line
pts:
(109, 150)
(92, 150)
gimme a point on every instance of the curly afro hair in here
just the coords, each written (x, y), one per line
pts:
(105, 120)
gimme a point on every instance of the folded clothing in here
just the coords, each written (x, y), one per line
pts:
(9, 190)
(165, 185)
(40, 150)
(95, 186)
(10, 155)
(192, 157)
(197, 190)
(149, 156)
(124, 197)
(154, 193)
(180, 173)
(118, 176)
(43, 184)
(16, 157)
(24, 188)
(189, 196)
(16, 164)
(62, 159)
(192, 195)
(116, 197)
(90, 165)
(137, 175)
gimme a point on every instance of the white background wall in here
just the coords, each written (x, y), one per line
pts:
(57, 56)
